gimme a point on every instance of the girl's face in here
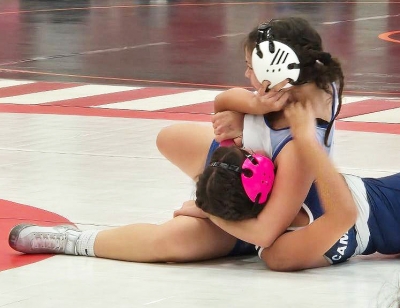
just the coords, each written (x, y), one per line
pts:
(249, 73)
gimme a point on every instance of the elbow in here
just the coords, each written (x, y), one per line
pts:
(222, 100)
(219, 102)
(283, 269)
(263, 237)
(343, 216)
(264, 242)
(281, 264)
(349, 216)
(352, 216)
(219, 96)
(277, 267)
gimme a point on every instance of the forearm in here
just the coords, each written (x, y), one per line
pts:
(247, 230)
(332, 188)
(281, 207)
(236, 99)
(305, 248)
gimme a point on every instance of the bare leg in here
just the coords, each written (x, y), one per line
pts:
(181, 239)
(184, 238)
(186, 145)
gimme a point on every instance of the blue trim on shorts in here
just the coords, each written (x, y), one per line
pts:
(242, 248)
(214, 145)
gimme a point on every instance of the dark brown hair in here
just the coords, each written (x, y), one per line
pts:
(220, 192)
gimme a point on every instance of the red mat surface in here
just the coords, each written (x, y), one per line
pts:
(11, 214)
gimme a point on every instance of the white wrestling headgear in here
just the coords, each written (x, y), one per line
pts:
(273, 60)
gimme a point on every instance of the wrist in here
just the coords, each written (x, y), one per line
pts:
(306, 141)
(255, 106)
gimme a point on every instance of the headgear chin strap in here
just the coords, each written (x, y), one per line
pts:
(273, 60)
(257, 174)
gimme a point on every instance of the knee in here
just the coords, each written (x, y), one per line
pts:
(166, 139)
(162, 139)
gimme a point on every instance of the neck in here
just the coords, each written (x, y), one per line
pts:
(319, 98)
(305, 92)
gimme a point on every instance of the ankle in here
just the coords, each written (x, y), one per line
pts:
(85, 243)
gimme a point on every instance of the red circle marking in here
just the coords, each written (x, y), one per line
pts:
(13, 213)
(386, 36)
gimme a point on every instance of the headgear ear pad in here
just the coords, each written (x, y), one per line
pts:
(258, 177)
(273, 60)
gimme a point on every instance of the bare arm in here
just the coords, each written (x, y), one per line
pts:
(236, 99)
(228, 125)
(305, 248)
(292, 183)
(244, 101)
(231, 105)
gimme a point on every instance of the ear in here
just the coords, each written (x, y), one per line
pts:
(247, 173)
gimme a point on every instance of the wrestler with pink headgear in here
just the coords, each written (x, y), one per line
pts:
(235, 176)
(257, 174)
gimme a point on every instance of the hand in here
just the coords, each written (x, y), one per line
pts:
(270, 100)
(301, 120)
(228, 125)
(189, 208)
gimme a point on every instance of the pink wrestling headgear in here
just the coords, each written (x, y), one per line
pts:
(257, 173)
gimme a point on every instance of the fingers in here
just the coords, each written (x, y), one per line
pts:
(220, 137)
(221, 133)
(238, 141)
(282, 100)
(299, 113)
(264, 87)
(227, 125)
(218, 128)
(277, 88)
(273, 99)
(280, 86)
(293, 109)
